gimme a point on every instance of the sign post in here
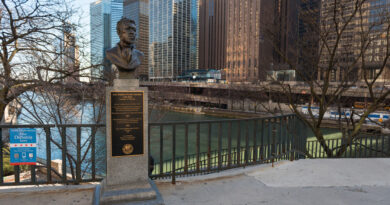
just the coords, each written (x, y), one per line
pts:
(23, 146)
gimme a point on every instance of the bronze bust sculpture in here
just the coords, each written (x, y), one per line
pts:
(124, 55)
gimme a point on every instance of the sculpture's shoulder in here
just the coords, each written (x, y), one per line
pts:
(113, 51)
(138, 53)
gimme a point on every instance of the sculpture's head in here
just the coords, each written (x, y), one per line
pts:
(126, 30)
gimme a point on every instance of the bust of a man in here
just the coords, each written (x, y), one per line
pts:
(124, 55)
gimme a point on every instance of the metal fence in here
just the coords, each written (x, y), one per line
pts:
(178, 148)
(77, 155)
(362, 147)
(190, 148)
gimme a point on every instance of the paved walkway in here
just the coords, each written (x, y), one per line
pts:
(311, 182)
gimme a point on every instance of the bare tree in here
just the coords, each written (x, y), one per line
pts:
(343, 53)
(67, 104)
(30, 55)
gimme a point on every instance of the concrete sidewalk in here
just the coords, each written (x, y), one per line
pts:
(302, 182)
(319, 181)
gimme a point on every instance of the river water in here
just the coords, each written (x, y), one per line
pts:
(238, 133)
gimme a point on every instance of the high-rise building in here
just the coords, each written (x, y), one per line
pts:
(286, 34)
(212, 34)
(357, 44)
(104, 14)
(308, 42)
(173, 38)
(249, 54)
(70, 55)
(138, 10)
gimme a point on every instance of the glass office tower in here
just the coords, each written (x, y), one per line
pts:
(173, 38)
(104, 14)
(138, 10)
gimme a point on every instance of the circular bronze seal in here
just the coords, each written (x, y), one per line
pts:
(127, 149)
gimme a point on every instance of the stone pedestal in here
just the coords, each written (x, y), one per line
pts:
(127, 180)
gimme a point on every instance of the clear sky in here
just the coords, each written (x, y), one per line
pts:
(84, 10)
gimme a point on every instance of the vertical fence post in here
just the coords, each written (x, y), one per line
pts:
(174, 154)
(1, 156)
(239, 144)
(161, 150)
(78, 160)
(360, 146)
(93, 151)
(274, 145)
(246, 153)
(255, 122)
(269, 143)
(230, 144)
(388, 146)
(64, 150)
(186, 149)
(280, 138)
(149, 153)
(48, 154)
(197, 147)
(209, 147)
(292, 142)
(383, 146)
(376, 146)
(219, 146)
(262, 141)
(371, 147)
(17, 174)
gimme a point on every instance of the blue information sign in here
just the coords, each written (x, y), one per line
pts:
(23, 146)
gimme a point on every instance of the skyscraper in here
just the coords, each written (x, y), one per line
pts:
(358, 44)
(138, 10)
(308, 47)
(70, 54)
(173, 37)
(104, 14)
(286, 33)
(212, 34)
(249, 53)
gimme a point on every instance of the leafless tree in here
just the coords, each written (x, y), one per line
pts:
(67, 104)
(33, 37)
(344, 52)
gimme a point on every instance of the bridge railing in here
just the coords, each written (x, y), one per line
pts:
(66, 154)
(191, 148)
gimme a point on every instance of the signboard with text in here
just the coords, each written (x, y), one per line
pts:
(127, 123)
(23, 146)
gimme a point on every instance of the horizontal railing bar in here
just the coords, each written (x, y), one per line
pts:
(51, 126)
(219, 121)
(44, 182)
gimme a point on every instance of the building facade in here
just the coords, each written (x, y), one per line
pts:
(359, 51)
(173, 37)
(308, 44)
(70, 55)
(138, 10)
(104, 14)
(248, 52)
(286, 34)
(212, 34)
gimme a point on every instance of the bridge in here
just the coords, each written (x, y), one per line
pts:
(244, 96)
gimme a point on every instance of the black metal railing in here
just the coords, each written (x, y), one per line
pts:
(190, 148)
(178, 148)
(363, 146)
(74, 146)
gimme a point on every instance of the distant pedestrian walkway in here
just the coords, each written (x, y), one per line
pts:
(311, 182)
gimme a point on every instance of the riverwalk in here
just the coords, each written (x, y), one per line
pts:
(302, 182)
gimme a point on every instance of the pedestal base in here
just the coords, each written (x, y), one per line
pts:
(135, 194)
(127, 180)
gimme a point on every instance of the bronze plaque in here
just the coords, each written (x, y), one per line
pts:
(127, 123)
